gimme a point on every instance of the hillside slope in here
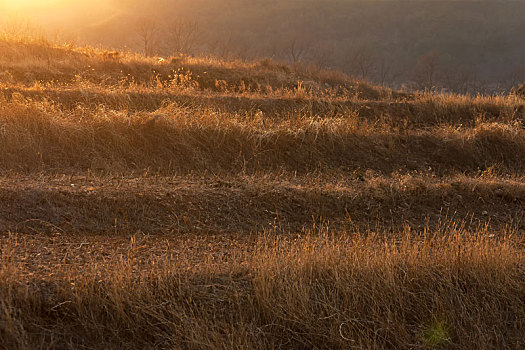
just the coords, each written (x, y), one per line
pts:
(278, 141)
(195, 203)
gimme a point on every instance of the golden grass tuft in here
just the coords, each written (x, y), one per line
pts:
(328, 290)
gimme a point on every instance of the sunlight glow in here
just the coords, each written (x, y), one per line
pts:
(21, 5)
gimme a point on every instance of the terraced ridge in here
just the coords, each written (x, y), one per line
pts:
(120, 177)
(316, 144)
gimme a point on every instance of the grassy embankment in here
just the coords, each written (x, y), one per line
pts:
(267, 206)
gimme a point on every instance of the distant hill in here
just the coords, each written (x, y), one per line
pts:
(474, 45)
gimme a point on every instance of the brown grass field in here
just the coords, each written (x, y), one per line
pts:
(192, 203)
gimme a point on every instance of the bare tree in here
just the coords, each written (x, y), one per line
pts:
(297, 51)
(148, 31)
(516, 76)
(184, 35)
(322, 55)
(362, 63)
(384, 71)
(425, 71)
(225, 47)
(460, 79)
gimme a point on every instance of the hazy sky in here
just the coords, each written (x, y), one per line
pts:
(52, 15)
(47, 5)
(57, 9)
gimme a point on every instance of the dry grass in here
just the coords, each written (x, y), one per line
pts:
(441, 289)
(37, 136)
(416, 203)
(217, 204)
